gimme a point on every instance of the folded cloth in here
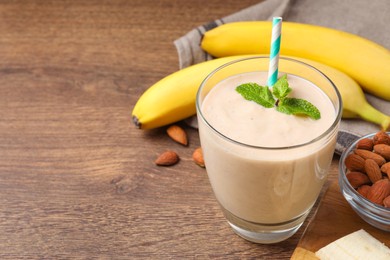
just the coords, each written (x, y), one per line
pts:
(367, 18)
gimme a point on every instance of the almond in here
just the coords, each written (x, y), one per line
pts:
(386, 169)
(197, 156)
(363, 190)
(379, 191)
(373, 171)
(177, 134)
(357, 179)
(370, 155)
(167, 158)
(365, 144)
(354, 162)
(386, 202)
(381, 138)
(383, 150)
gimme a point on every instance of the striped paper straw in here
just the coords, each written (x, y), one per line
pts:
(275, 48)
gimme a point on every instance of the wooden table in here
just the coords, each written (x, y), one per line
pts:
(77, 179)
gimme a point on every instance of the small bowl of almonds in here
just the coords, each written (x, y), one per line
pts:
(364, 178)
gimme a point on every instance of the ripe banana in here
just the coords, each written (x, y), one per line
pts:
(173, 98)
(363, 60)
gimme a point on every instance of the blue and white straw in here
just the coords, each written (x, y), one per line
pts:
(275, 49)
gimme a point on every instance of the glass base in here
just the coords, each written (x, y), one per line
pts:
(264, 233)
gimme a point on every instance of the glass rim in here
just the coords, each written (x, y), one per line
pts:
(324, 134)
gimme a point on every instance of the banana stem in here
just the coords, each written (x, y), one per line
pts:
(373, 115)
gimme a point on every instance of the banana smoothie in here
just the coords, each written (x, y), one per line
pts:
(266, 168)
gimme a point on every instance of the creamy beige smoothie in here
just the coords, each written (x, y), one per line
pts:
(274, 184)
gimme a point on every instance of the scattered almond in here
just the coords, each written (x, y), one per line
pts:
(383, 150)
(197, 156)
(381, 138)
(177, 134)
(386, 202)
(379, 191)
(373, 171)
(363, 190)
(167, 158)
(365, 144)
(370, 155)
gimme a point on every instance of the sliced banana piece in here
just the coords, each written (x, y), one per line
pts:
(357, 245)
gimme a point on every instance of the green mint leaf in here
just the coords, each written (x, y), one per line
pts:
(297, 106)
(281, 88)
(259, 94)
(292, 106)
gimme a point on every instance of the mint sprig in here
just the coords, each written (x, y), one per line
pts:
(281, 88)
(297, 106)
(254, 92)
(262, 95)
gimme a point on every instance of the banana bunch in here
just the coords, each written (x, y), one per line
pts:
(173, 98)
(365, 61)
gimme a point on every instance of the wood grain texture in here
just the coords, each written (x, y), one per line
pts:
(77, 179)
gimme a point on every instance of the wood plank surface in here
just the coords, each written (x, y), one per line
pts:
(77, 179)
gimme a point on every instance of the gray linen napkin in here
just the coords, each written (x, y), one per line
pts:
(367, 18)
